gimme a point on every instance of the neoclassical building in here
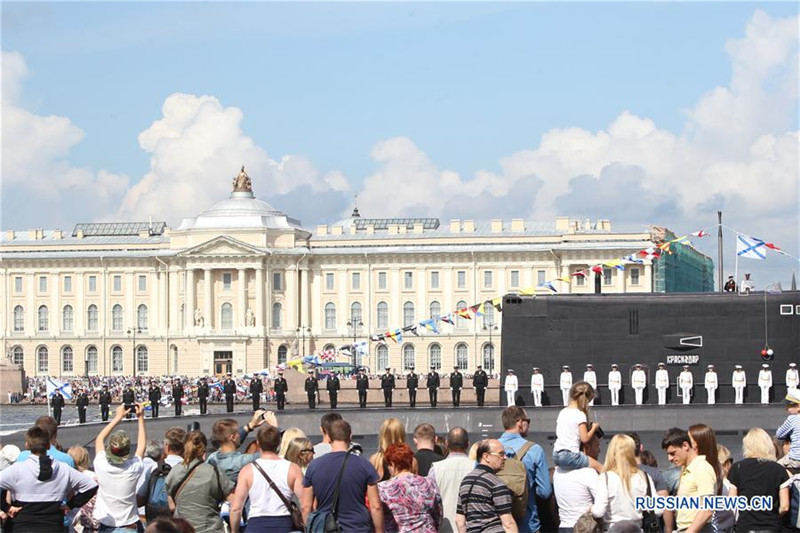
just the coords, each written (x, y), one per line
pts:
(242, 287)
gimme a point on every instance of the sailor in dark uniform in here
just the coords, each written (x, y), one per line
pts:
(432, 383)
(82, 402)
(480, 381)
(387, 384)
(105, 402)
(456, 384)
(57, 403)
(177, 396)
(202, 396)
(333, 387)
(256, 388)
(154, 395)
(311, 388)
(281, 387)
(229, 389)
(362, 386)
(129, 398)
(412, 382)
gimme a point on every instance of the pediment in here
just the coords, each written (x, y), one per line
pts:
(222, 246)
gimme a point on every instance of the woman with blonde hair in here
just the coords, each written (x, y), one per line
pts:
(620, 483)
(392, 431)
(196, 489)
(758, 474)
(300, 452)
(288, 436)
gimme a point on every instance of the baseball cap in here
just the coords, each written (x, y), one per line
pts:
(118, 448)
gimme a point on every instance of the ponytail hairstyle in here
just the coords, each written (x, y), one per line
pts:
(194, 447)
(706, 442)
(582, 393)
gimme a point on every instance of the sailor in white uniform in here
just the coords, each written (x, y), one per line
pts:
(614, 384)
(662, 383)
(565, 384)
(537, 386)
(765, 382)
(686, 382)
(711, 384)
(591, 378)
(511, 386)
(792, 377)
(638, 382)
(739, 381)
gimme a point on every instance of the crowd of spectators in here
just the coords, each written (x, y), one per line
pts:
(282, 482)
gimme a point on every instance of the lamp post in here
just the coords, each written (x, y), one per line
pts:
(301, 332)
(490, 327)
(352, 324)
(132, 333)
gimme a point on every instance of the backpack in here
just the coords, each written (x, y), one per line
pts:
(157, 504)
(515, 475)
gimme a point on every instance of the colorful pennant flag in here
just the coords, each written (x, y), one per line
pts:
(701, 233)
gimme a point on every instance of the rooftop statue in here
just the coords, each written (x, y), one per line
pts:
(242, 183)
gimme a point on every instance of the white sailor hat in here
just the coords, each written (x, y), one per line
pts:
(738, 367)
(710, 366)
(613, 365)
(536, 368)
(765, 365)
(589, 365)
(638, 365)
(792, 365)
(510, 371)
(565, 367)
(660, 364)
(686, 367)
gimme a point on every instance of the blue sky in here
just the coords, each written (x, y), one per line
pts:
(497, 101)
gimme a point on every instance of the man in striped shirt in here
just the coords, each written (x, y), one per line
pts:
(790, 429)
(484, 500)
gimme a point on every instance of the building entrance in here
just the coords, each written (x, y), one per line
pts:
(223, 363)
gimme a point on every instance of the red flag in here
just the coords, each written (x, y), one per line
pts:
(701, 233)
(597, 269)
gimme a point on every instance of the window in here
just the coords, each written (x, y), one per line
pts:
(435, 310)
(488, 357)
(18, 284)
(277, 281)
(67, 283)
(409, 355)
(434, 280)
(67, 318)
(116, 318)
(383, 315)
(44, 319)
(607, 275)
(356, 281)
(461, 279)
(277, 315)
(408, 280)
(42, 359)
(487, 279)
(226, 316)
(356, 316)
(19, 318)
(382, 354)
(460, 320)
(488, 316)
(116, 359)
(382, 281)
(329, 281)
(141, 359)
(18, 356)
(580, 281)
(634, 276)
(91, 360)
(92, 283)
(435, 355)
(514, 279)
(408, 314)
(91, 318)
(227, 281)
(42, 283)
(142, 283)
(330, 316)
(141, 317)
(67, 360)
(117, 283)
(462, 356)
(283, 350)
(540, 277)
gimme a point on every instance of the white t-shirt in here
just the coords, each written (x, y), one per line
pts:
(568, 436)
(575, 491)
(116, 499)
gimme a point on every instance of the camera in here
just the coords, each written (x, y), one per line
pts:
(599, 433)
(130, 407)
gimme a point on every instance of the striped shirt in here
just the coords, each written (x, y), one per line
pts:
(482, 498)
(790, 429)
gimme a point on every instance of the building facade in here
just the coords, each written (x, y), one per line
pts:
(242, 287)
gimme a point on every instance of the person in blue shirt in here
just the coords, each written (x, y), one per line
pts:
(515, 425)
(49, 424)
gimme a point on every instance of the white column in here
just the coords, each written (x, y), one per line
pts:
(291, 301)
(79, 315)
(259, 297)
(304, 299)
(130, 320)
(207, 298)
(154, 307)
(241, 297)
(174, 305)
(189, 297)
(55, 307)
